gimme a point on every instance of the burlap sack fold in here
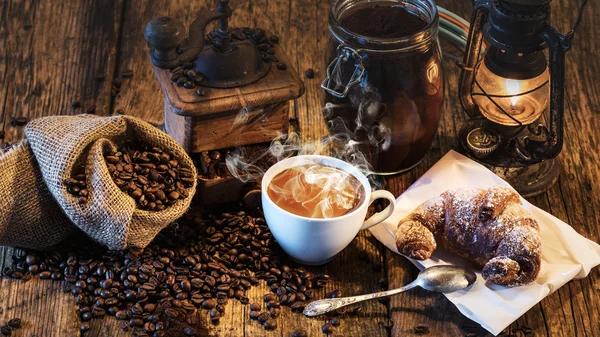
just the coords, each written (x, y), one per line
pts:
(110, 216)
(29, 215)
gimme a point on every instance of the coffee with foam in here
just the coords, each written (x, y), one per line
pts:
(316, 191)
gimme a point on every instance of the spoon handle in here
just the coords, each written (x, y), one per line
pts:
(329, 304)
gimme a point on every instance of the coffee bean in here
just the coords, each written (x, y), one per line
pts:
(209, 304)
(298, 306)
(5, 330)
(275, 312)
(76, 104)
(274, 38)
(281, 66)
(14, 323)
(309, 73)
(300, 333)
(334, 294)
(335, 321)
(262, 317)
(270, 324)
(85, 326)
(136, 322)
(269, 298)
(327, 328)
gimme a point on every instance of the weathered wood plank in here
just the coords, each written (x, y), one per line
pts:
(52, 53)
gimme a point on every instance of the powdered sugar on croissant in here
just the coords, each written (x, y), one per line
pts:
(489, 227)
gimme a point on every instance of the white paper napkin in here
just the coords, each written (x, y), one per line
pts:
(565, 254)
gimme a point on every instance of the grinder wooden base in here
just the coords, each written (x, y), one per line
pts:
(222, 118)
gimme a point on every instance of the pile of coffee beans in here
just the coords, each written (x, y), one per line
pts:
(185, 76)
(151, 176)
(77, 186)
(201, 262)
(10, 326)
(258, 36)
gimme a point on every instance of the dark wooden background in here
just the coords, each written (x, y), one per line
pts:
(53, 53)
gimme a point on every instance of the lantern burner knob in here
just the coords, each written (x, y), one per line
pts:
(482, 142)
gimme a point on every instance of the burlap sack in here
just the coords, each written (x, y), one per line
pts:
(29, 215)
(110, 216)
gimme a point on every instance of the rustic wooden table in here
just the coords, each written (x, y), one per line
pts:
(57, 52)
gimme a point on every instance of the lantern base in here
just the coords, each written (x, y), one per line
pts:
(493, 147)
(530, 180)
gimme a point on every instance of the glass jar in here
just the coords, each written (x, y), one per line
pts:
(385, 86)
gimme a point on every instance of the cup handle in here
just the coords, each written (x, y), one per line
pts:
(381, 216)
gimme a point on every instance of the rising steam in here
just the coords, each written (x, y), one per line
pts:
(356, 139)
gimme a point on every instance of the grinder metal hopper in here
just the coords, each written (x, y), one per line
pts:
(208, 78)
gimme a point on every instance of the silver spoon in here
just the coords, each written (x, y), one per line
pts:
(445, 279)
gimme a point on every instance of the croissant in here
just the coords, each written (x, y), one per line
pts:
(489, 227)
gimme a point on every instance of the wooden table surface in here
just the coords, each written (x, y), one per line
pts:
(53, 53)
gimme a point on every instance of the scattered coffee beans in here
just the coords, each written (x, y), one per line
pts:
(10, 326)
(202, 263)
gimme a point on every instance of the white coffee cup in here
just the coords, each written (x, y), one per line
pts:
(315, 241)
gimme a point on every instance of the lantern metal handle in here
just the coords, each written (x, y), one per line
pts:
(344, 54)
(472, 51)
(532, 150)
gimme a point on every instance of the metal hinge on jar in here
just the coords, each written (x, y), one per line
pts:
(344, 54)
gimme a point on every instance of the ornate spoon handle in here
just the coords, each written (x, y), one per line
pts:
(329, 304)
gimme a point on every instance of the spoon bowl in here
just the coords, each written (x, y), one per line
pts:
(446, 279)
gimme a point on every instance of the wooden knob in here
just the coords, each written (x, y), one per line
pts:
(164, 35)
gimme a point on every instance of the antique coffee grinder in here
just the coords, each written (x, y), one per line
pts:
(506, 92)
(224, 88)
